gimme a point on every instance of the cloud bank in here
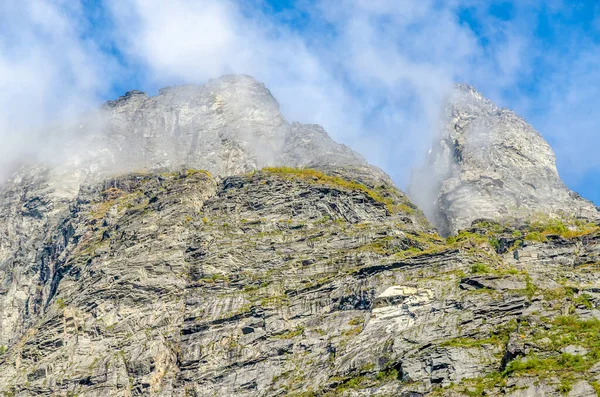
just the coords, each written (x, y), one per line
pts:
(373, 72)
(48, 73)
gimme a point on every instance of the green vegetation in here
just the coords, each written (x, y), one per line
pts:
(530, 288)
(495, 243)
(562, 331)
(314, 176)
(583, 300)
(200, 172)
(534, 365)
(467, 236)
(290, 334)
(542, 225)
(101, 209)
(517, 233)
(353, 331)
(389, 374)
(596, 386)
(549, 226)
(216, 278)
(350, 384)
(566, 385)
(274, 301)
(490, 227)
(535, 236)
(499, 338)
(480, 268)
(60, 303)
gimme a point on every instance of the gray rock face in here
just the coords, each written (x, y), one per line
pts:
(489, 163)
(228, 126)
(277, 282)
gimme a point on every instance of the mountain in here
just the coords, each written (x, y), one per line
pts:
(197, 244)
(228, 126)
(489, 163)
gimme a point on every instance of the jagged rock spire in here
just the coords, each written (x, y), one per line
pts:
(490, 163)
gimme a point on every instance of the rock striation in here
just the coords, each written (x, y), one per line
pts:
(489, 163)
(228, 126)
(222, 267)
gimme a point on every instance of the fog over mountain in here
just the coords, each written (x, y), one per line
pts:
(374, 74)
(197, 243)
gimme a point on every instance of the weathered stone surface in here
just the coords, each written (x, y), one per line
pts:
(266, 284)
(175, 282)
(575, 350)
(227, 126)
(582, 389)
(489, 163)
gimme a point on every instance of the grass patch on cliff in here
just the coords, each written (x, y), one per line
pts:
(100, 210)
(60, 303)
(498, 337)
(314, 176)
(464, 236)
(564, 366)
(567, 330)
(550, 362)
(198, 172)
(546, 363)
(480, 268)
(290, 334)
(541, 226)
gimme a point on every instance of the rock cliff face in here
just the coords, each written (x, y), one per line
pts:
(489, 163)
(228, 126)
(240, 280)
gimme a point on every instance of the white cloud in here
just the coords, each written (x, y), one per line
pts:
(372, 72)
(47, 71)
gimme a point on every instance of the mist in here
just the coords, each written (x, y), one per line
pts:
(373, 73)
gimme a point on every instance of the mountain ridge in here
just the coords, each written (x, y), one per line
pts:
(252, 278)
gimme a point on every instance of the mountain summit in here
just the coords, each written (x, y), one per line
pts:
(227, 126)
(489, 163)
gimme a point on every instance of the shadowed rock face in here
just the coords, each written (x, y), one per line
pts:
(489, 163)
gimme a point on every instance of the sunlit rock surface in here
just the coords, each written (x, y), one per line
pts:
(163, 259)
(489, 163)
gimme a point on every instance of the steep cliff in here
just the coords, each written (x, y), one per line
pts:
(489, 163)
(220, 268)
(228, 126)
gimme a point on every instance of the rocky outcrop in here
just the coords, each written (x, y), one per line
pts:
(489, 163)
(285, 282)
(227, 126)
(276, 281)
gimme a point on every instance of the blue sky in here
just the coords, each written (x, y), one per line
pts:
(373, 72)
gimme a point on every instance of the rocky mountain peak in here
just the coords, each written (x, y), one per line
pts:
(227, 126)
(174, 281)
(124, 99)
(490, 163)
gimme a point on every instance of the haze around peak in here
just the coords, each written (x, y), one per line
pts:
(374, 74)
